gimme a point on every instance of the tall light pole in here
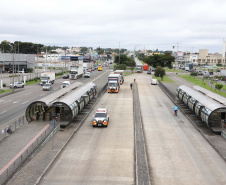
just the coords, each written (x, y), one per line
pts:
(119, 52)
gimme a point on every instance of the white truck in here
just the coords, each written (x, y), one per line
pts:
(113, 83)
(47, 77)
(121, 72)
(76, 72)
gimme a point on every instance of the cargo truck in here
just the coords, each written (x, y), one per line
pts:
(113, 83)
(139, 68)
(47, 77)
(76, 72)
(121, 72)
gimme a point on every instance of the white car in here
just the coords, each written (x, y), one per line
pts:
(17, 85)
(153, 81)
(65, 84)
(47, 87)
(87, 75)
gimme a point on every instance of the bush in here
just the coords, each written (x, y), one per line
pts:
(218, 86)
(193, 74)
(4, 84)
(120, 67)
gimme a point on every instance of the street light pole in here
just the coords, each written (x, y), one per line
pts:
(119, 52)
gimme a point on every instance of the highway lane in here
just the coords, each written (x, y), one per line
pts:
(100, 155)
(15, 104)
(177, 152)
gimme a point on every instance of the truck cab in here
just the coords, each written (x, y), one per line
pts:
(114, 83)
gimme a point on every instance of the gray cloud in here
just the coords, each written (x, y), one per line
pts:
(195, 24)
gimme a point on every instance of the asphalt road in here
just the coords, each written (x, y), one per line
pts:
(177, 152)
(15, 104)
(100, 155)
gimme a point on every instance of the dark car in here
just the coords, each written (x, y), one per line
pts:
(65, 76)
(149, 71)
(211, 72)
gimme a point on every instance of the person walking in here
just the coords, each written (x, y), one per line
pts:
(131, 86)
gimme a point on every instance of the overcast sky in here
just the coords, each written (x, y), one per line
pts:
(154, 24)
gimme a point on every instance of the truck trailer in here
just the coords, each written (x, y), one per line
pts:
(47, 77)
(113, 83)
(121, 72)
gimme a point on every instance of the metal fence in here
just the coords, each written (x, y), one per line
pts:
(12, 126)
(172, 95)
(23, 154)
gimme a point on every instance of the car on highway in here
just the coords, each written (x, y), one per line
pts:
(65, 76)
(149, 71)
(153, 81)
(65, 84)
(101, 118)
(87, 75)
(17, 85)
(47, 87)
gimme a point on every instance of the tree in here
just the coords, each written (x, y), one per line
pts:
(194, 74)
(120, 67)
(6, 46)
(160, 72)
(160, 60)
(218, 86)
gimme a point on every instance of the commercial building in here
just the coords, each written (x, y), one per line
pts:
(19, 62)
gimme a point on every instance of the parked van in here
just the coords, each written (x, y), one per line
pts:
(153, 81)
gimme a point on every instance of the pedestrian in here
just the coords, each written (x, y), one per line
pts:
(131, 86)
(134, 80)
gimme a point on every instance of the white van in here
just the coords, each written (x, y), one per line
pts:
(65, 84)
(153, 81)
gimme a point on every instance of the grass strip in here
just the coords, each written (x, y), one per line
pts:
(205, 85)
(166, 79)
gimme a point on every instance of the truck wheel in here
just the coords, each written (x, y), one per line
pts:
(22, 86)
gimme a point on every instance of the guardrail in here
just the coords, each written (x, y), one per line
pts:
(24, 153)
(102, 90)
(172, 95)
(12, 127)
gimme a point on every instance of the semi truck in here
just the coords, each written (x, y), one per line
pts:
(76, 72)
(47, 77)
(113, 83)
(121, 72)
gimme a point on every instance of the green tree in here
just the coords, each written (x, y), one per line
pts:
(160, 60)
(218, 86)
(160, 72)
(6, 46)
(194, 74)
(120, 67)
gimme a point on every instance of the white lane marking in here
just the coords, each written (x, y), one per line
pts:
(42, 94)
(2, 100)
(25, 102)
(7, 101)
(27, 94)
(3, 112)
(16, 101)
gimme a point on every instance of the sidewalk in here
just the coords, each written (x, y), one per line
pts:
(15, 142)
